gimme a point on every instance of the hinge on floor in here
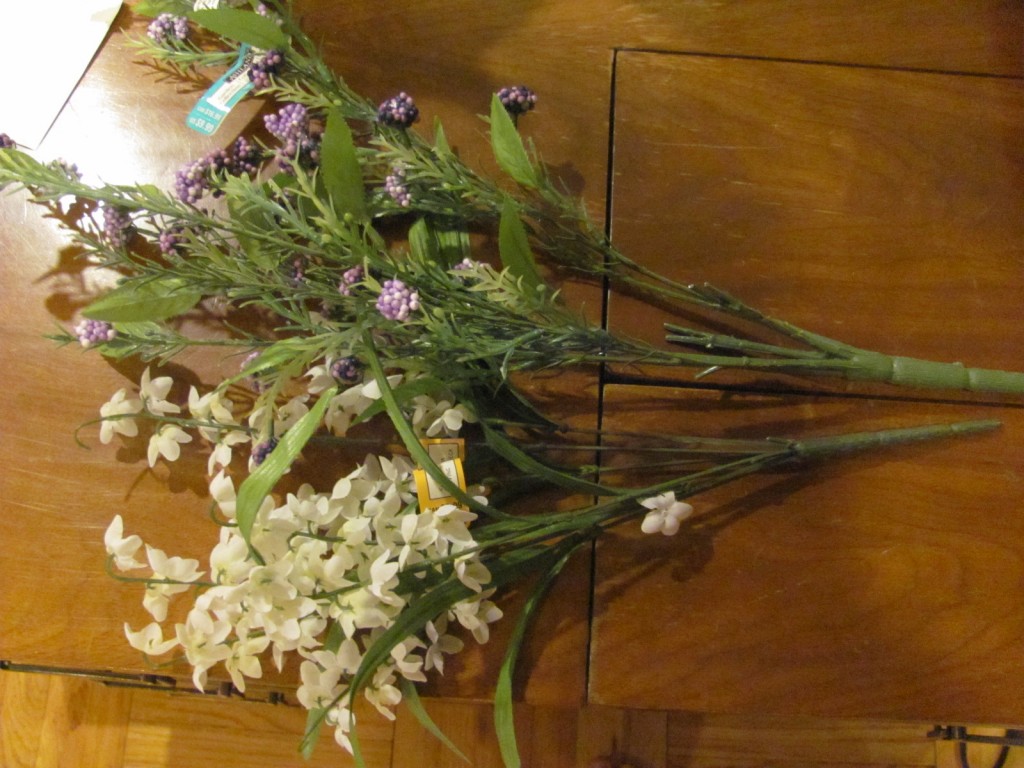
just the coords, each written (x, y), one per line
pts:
(958, 733)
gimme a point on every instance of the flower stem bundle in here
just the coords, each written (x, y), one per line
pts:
(336, 260)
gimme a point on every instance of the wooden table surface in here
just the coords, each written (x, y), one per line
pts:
(856, 167)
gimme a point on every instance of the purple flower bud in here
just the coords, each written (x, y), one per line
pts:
(91, 332)
(168, 29)
(261, 451)
(398, 112)
(517, 99)
(395, 186)
(349, 278)
(397, 300)
(172, 240)
(347, 370)
(290, 122)
(117, 226)
(265, 67)
(6, 142)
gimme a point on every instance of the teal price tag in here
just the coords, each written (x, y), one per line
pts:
(207, 115)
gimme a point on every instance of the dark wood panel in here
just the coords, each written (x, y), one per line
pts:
(882, 208)
(881, 585)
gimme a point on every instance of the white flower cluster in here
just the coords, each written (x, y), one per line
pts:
(352, 557)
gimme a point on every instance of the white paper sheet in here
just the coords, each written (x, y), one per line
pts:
(47, 47)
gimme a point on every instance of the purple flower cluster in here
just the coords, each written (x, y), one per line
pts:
(298, 270)
(168, 29)
(299, 143)
(90, 332)
(193, 181)
(397, 300)
(117, 226)
(347, 370)
(289, 122)
(6, 142)
(517, 99)
(244, 158)
(395, 186)
(171, 240)
(349, 278)
(261, 451)
(398, 112)
(265, 67)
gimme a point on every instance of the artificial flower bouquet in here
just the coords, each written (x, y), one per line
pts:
(330, 253)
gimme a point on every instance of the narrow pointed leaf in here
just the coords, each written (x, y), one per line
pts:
(504, 709)
(411, 697)
(242, 26)
(139, 300)
(339, 167)
(508, 147)
(514, 247)
(258, 484)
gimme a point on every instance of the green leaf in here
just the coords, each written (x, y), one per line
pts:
(154, 8)
(422, 386)
(242, 26)
(139, 300)
(253, 219)
(411, 697)
(257, 485)
(514, 247)
(444, 245)
(508, 146)
(339, 167)
(504, 710)
(440, 140)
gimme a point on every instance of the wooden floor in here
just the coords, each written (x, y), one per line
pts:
(69, 722)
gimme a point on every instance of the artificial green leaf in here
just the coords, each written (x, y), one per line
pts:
(139, 300)
(257, 485)
(508, 146)
(440, 140)
(242, 26)
(422, 242)
(504, 710)
(411, 697)
(154, 8)
(514, 247)
(424, 385)
(339, 167)
(253, 219)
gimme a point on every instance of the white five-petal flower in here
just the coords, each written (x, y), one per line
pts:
(665, 514)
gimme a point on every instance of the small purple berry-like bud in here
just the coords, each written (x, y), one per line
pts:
(172, 240)
(265, 67)
(517, 99)
(398, 112)
(92, 332)
(168, 29)
(397, 300)
(117, 226)
(347, 370)
(395, 186)
(349, 278)
(6, 142)
(290, 122)
(261, 451)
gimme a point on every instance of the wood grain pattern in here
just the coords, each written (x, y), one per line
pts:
(882, 208)
(880, 585)
(152, 729)
(934, 154)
